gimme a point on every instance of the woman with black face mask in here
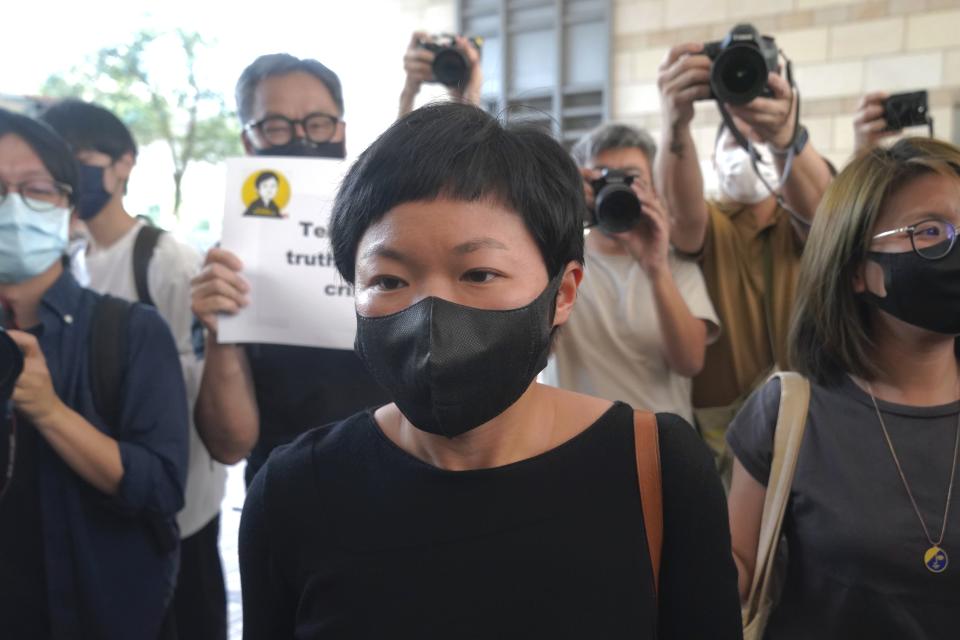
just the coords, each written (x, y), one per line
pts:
(479, 504)
(872, 521)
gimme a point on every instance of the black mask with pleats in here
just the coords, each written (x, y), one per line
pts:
(451, 368)
(302, 148)
(924, 293)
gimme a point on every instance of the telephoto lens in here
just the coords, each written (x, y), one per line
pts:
(616, 206)
(741, 63)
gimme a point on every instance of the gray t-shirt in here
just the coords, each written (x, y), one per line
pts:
(856, 548)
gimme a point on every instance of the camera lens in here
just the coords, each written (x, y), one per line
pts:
(617, 208)
(450, 68)
(11, 364)
(739, 74)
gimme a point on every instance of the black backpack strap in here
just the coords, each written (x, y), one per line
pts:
(108, 365)
(143, 249)
(108, 357)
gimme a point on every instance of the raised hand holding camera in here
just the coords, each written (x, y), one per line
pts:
(869, 125)
(881, 115)
(683, 78)
(648, 241)
(417, 63)
(450, 60)
(626, 209)
(773, 118)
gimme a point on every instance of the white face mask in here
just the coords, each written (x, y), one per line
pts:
(738, 181)
(30, 241)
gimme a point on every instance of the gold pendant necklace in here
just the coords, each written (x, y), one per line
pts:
(935, 559)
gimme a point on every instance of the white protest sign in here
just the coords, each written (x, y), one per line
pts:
(275, 220)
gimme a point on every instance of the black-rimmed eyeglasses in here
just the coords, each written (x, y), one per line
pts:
(931, 239)
(40, 195)
(278, 130)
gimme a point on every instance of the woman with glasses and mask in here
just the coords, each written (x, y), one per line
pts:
(479, 504)
(87, 529)
(873, 524)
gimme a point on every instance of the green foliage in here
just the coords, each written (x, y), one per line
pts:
(192, 121)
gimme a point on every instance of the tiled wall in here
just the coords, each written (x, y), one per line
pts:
(840, 49)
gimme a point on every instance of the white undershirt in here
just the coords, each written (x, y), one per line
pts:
(612, 348)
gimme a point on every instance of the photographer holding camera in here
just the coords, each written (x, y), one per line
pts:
(453, 61)
(749, 243)
(97, 442)
(881, 115)
(643, 318)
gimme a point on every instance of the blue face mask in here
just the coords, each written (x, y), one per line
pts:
(93, 197)
(30, 241)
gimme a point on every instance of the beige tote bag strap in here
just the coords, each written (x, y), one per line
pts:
(646, 440)
(791, 421)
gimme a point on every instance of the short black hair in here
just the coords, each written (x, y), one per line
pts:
(280, 64)
(90, 127)
(460, 152)
(50, 147)
(264, 176)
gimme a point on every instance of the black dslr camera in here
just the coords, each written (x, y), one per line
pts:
(450, 66)
(616, 207)
(11, 366)
(741, 63)
(902, 110)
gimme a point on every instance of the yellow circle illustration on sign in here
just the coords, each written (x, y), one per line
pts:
(266, 194)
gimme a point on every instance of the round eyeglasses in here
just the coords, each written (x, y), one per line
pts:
(278, 130)
(931, 239)
(41, 195)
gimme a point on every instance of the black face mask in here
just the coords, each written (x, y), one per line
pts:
(93, 197)
(302, 148)
(924, 293)
(451, 368)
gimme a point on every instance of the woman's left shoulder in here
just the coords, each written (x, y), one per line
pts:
(682, 450)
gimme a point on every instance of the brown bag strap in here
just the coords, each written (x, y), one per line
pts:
(647, 443)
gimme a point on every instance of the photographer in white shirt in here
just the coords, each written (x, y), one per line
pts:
(643, 319)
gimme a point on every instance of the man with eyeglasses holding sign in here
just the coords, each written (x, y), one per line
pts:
(255, 397)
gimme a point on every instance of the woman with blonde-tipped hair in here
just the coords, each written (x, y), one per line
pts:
(872, 529)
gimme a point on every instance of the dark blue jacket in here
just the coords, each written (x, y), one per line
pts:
(111, 561)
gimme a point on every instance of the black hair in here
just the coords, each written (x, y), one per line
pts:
(90, 127)
(263, 177)
(460, 152)
(280, 64)
(50, 147)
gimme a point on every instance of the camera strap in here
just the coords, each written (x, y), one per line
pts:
(747, 145)
(7, 414)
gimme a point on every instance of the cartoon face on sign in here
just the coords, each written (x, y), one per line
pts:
(266, 193)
